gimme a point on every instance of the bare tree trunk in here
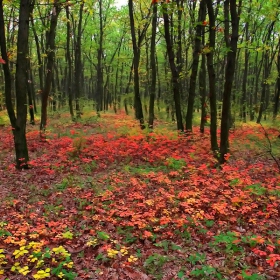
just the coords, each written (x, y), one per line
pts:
(50, 48)
(245, 74)
(136, 59)
(212, 76)
(277, 92)
(100, 91)
(68, 87)
(174, 70)
(196, 52)
(78, 62)
(153, 68)
(18, 121)
(202, 88)
(229, 71)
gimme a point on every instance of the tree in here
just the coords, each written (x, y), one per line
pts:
(18, 119)
(153, 67)
(50, 49)
(230, 7)
(196, 53)
(78, 61)
(136, 59)
(68, 68)
(173, 67)
(209, 50)
(277, 91)
(100, 78)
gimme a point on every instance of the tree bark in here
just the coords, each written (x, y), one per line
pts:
(277, 93)
(245, 74)
(78, 62)
(30, 90)
(202, 87)
(174, 70)
(212, 76)
(68, 83)
(100, 92)
(50, 49)
(153, 68)
(136, 59)
(196, 53)
(18, 120)
(229, 71)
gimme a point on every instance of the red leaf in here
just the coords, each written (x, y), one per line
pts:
(2, 61)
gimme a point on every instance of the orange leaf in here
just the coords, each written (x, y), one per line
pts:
(147, 234)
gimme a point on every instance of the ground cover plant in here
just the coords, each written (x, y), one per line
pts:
(106, 200)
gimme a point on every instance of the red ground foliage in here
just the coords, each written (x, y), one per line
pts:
(128, 204)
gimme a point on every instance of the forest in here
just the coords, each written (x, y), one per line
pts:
(140, 140)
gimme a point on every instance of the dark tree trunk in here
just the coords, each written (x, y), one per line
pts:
(174, 70)
(231, 43)
(50, 49)
(212, 76)
(116, 85)
(40, 62)
(277, 92)
(58, 86)
(100, 92)
(178, 42)
(196, 53)
(159, 85)
(18, 121)
(257, 72)
(245, 74)
(264, 87)
(30, 91)
(78, 62)
(136, 59)
(153, 68)
(69, 63)
(202, 87)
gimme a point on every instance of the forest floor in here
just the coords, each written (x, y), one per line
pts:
(106, 200)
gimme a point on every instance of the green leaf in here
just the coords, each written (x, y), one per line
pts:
(67, 235)
(181, 274)
(102, 235)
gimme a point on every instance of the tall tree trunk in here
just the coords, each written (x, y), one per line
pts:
(174, 70)
(212, 76)
(196, 53)
(277, 92)
(136, 59)
(78, 62)
(257, 72)
(68, 87)
(153, 68)
(177, 40)
(100, 92)
(30, 91)
(50, 48)
(229, 71)
(18, 121)
(245, 73)
(202, 88)
(40, 62)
